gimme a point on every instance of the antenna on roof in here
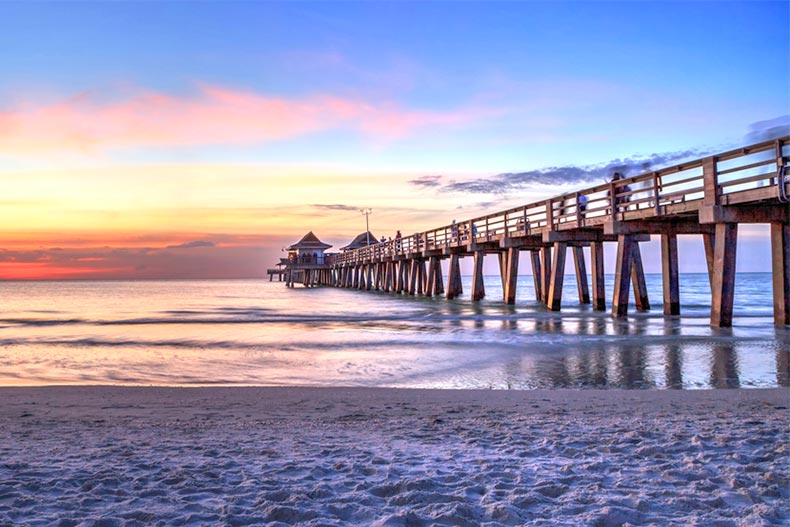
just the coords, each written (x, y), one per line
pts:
(367, 212)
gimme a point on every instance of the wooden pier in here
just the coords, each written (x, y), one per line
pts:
(279, 272)
(709, 197)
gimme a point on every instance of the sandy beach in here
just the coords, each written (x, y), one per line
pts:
(126, 456)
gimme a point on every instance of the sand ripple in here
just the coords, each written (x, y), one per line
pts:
(78, 457)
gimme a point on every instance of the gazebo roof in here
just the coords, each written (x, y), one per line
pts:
(360, 241)
(309, 241)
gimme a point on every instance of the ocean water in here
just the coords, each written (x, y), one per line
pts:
(255, 332)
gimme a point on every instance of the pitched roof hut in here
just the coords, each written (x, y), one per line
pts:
(309, 242)
(308, 251)
(362, 240)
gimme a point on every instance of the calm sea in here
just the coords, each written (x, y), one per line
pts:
(253, 332)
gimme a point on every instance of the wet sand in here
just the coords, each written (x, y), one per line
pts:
(128, 456)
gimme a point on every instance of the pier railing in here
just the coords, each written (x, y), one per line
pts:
(745, 175)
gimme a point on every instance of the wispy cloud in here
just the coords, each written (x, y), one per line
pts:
(212, 115)
(336, 206)
(427, 181)
(768, 129)
(192, 245)
(569, 174)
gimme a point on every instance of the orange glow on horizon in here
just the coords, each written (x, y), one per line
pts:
(47, 271)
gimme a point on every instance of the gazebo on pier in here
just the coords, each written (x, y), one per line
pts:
(307, 262)
(362, 240)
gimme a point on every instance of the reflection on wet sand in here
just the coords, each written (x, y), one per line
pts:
(673, 355)
(632, 357)
(724, 365)
(624, 354)
(783, 364)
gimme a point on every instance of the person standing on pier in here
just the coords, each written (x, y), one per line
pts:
(619, 198)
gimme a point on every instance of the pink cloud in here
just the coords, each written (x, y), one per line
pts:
(214, 115)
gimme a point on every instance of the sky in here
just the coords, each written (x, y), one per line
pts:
(197, 139)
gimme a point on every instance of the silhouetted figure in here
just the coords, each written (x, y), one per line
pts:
(620, 190)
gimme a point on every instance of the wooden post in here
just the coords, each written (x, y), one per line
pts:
(458, 283)
(638, 280)
(451, 277)
(545, 273)
(710, 182)
(581, 275)
(549, 215)
(430, 289)
(709, 240)
(413, 277)
(537, 275)
(454, 287)
(780, 258)
(557, 276)
(387, 276)
(724, 274)
(438, 288)
(400, 276)
(622, 275)
(478, 288)
(502, 257)
(421, 285)
(669, 273)
(598, 282)
(511, 275)
(395, 276)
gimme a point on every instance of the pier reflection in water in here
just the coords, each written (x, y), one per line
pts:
(590, 351)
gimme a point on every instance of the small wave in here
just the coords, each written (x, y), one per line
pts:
(43, 322)
(219, 344)
(261, 317)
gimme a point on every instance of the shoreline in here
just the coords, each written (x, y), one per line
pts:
(129, 456)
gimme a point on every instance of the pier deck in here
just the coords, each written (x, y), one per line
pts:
(709, 197)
